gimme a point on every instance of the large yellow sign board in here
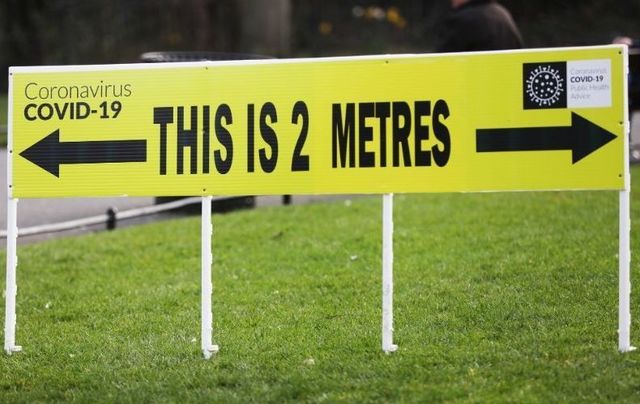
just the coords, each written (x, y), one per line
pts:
(521, 120)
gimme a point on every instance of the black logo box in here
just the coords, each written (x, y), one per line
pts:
(544, 85)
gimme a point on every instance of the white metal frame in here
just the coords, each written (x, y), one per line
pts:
(624, 237)
(387, 274)
(12, 284)
(206, 309)
(624, 286)
(208, 348)
(173, 65)
(12, 240)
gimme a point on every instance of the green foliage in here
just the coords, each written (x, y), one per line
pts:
(499, 297)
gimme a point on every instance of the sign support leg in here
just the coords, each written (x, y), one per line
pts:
(624, 287)
(11, 283)
(208, 349)
(387, 274)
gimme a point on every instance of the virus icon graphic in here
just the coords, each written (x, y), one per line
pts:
(545, 86)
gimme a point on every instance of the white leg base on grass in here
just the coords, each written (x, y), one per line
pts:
(13, 349)
(210, 351)
(390, 349)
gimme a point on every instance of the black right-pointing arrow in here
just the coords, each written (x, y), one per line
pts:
(49, 152)
(583, 137)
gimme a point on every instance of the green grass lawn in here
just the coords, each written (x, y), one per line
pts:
(499, 297)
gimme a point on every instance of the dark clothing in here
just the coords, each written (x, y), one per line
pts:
(479, 25)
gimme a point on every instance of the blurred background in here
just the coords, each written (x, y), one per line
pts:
(41, 32)
(60, 32)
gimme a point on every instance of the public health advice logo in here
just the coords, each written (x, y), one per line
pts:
(544, 85)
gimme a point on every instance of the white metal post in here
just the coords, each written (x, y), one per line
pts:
(11, 283)
(624, 251)
(624, 287)
(624, 229)
(387, 274)
(208, 349)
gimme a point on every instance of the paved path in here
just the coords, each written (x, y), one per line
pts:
(34, 212)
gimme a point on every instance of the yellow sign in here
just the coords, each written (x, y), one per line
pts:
(520, 120)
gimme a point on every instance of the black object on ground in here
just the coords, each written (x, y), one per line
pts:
(231, 203)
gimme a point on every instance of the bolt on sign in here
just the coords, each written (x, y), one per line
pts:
(521, 120)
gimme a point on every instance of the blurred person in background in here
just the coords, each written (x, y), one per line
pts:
(634, 70)
(633, 99)
(477, 25)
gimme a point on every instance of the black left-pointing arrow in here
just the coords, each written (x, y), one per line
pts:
(49, 152)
